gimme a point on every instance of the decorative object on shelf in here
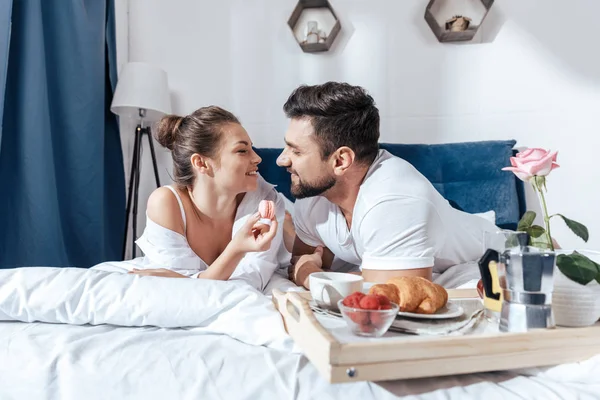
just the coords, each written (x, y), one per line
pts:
(459, 28)
(458, 23)
(142, 94)
(312, 34)
(322, 36)
(315, 38)
(533, 166)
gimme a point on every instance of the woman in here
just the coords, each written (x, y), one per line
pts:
(206, 225)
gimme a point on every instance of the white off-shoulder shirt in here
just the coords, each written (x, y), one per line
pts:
(164, 248)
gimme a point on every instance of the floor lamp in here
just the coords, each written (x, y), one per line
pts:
(142, 95)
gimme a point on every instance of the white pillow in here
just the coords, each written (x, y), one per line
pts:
(488, 215)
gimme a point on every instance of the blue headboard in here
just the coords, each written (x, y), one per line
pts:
(467, 174)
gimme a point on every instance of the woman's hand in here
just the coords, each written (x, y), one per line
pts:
(253, 236)
(166, 273)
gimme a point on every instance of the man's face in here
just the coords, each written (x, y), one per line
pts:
(310, 174)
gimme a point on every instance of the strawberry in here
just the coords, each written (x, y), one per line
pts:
(360, 318)
(353, 300)
(367, 328)
(384, 302)
(369, 302)
(376, 319)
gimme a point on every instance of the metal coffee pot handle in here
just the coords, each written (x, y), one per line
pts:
(486, 276)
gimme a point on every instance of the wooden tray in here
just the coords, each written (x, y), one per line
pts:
(408, 356)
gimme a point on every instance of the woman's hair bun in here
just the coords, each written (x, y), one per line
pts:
(168, 128)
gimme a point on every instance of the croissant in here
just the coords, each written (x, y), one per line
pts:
(414, 294)
(389, 291)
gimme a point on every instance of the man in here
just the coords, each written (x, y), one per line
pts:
(354, 199)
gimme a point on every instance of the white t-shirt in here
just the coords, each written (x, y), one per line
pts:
(398, 213)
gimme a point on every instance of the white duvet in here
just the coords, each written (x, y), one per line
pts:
(81, 296)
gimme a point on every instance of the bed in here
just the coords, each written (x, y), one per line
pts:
(72, 333)
(106, 361)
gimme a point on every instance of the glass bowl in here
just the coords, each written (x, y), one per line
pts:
(370, 323)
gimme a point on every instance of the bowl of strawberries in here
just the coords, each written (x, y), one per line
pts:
(368, 315)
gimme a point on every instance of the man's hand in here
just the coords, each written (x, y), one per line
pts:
(166, 273)
(305, 265)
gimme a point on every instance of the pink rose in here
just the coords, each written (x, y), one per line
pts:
(532, 162)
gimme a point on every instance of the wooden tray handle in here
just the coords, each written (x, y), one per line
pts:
(298, 315)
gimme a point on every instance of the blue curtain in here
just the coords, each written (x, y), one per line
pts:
(62, 184)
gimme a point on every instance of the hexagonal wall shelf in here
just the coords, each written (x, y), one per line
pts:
(456, 20)
(314, 25)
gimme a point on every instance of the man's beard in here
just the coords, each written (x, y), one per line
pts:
(302, 190)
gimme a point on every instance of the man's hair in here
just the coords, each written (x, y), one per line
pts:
(341, 115)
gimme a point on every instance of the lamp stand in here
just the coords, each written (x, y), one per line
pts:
(134, 183)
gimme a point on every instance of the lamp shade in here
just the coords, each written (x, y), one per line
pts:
(142, 85)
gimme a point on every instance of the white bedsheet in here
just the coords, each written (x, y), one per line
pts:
(65, 361)
(58, 361)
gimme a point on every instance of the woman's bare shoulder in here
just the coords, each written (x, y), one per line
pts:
(163, 209)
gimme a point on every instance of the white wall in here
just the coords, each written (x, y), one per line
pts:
(532, 74)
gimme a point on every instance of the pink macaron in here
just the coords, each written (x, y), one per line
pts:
(266, 209)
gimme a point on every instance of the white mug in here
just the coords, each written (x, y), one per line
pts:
(327, 288)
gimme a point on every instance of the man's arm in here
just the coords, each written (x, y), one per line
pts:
(289, 232)
(307, 260)
(408, 235)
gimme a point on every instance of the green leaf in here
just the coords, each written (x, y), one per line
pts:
(535, 231)
(540, 242)
(578, 267)
(588, 259)
(578, 228)
(526, 221)
(511, 241)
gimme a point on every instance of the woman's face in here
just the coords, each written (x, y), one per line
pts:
(237, 166)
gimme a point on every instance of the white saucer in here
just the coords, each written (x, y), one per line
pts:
(450, 310)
